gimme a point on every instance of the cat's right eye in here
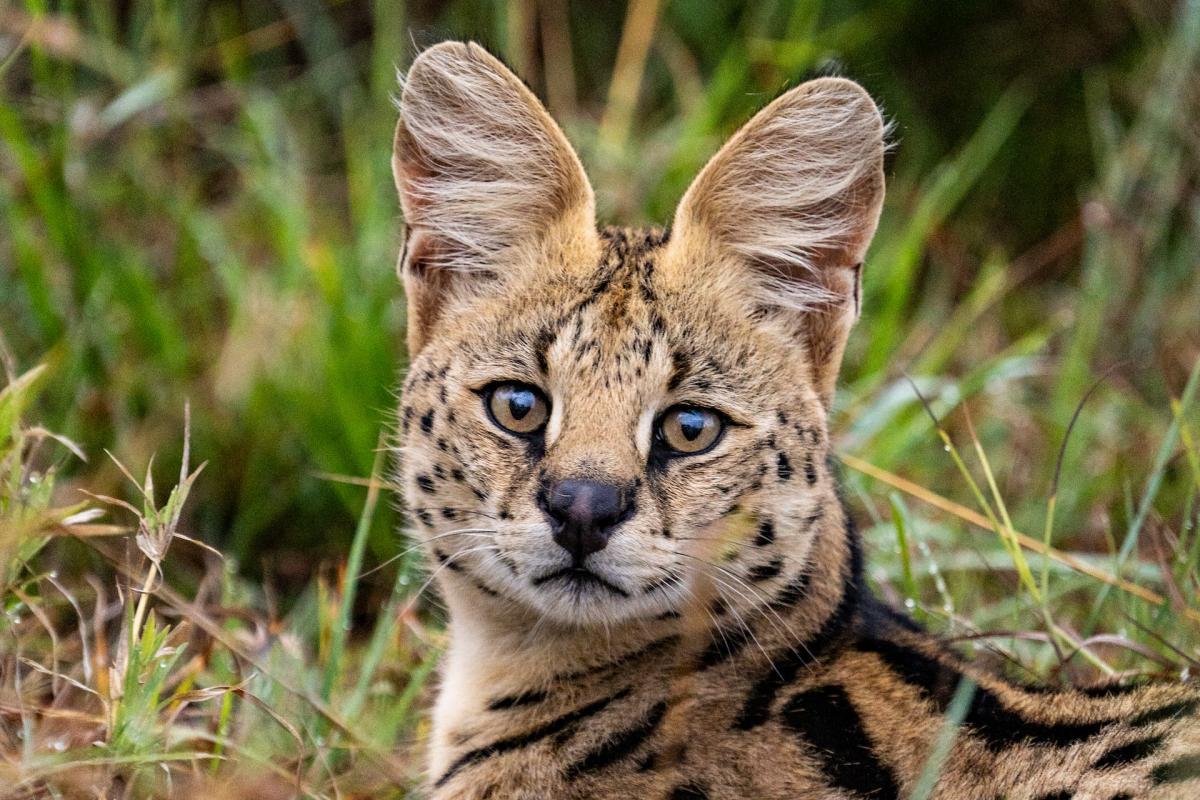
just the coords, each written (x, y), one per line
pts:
(517, 407)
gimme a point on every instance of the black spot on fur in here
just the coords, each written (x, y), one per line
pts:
(766, 533)
(1109, 689)
(934, 679)
(1181, 769)
(1001, 727)
(541, 345)
(508, 744)
(783, 466)
(762, 572)
(1181, 708)
(490, 592)
(810, 470)
(427, 421)
(619, 745)
(689, 791)
(987, 717)
(425, 517)
(516, 700)
(793, 592)
(445, 561)
(665, 582)
(680, 366)
(1129, 753)
(826, 719)
(1063, 795)
(724, 646)
(426, 483)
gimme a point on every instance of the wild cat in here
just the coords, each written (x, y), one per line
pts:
(615, 450)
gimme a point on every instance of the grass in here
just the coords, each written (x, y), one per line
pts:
(199, 214)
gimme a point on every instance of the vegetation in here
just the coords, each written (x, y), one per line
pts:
(198, 213)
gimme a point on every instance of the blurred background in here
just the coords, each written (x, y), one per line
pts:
(197, 207)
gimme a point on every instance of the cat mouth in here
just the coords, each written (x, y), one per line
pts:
(580, 577)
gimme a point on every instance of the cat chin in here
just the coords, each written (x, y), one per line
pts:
(592, 607)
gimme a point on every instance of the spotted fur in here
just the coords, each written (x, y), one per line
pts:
(725, 645)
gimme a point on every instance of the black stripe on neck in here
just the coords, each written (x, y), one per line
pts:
(556, 725)
(784, 668)
(826, 719)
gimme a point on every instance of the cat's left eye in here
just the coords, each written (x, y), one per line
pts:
(690, 430)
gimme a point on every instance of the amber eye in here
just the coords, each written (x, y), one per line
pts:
(517, 407)
(689, 430)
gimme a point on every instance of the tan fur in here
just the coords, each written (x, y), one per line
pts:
(734, 651)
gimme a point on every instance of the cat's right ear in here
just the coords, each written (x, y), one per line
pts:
(485, 178)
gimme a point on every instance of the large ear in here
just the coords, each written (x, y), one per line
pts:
(482, 170)
(794, 197)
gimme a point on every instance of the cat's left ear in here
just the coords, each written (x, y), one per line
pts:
(793, 200)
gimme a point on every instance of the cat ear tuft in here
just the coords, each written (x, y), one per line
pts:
(794, 198)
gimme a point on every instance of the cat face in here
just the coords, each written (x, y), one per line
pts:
(595, 422)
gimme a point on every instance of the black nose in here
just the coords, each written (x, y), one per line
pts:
(584, 513)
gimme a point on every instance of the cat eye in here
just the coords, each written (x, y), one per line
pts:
(689, 430)
(517, 407)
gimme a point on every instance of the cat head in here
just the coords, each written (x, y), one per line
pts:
(593, 418)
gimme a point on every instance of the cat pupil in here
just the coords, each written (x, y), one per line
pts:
(520, 404)
(691, 424)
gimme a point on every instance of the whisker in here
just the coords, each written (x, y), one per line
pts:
(449, 560)
(780, 625)
(740, 621)
(481, 533)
